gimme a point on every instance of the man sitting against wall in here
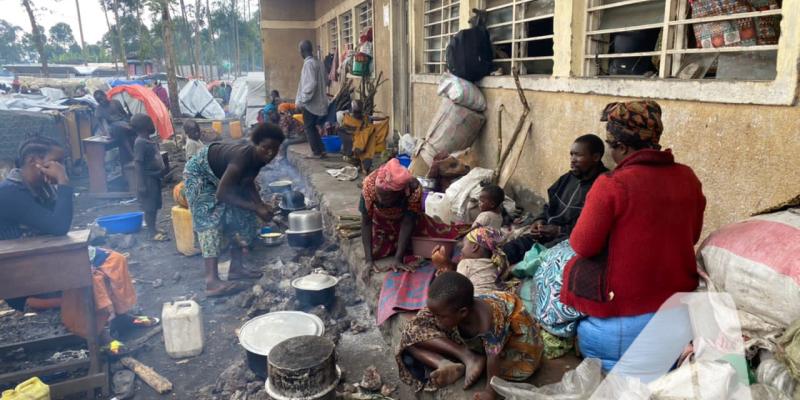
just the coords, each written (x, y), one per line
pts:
(565, 199)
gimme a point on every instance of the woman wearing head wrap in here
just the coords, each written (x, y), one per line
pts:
(635, 237)
(391, 212)
(482, 259)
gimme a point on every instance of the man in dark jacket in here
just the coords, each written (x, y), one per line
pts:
(565, 199)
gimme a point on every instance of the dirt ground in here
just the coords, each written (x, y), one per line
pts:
(220, 371)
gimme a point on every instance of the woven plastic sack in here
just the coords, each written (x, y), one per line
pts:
(453, 128)
(461, 92)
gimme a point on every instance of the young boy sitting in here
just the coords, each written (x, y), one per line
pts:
(482, 259)
(490, 202)
(460, 335)
(149, 167)
(193, 143)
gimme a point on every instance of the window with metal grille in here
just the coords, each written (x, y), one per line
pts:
(522, 35)
(346, 20)
(440, 23)
(333, 35)
(685, 39)
(364, 11)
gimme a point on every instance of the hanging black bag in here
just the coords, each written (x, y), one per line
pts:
(469, 53)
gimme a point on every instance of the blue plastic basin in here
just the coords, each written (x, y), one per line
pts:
(122, 223)
(333, 144)
(404, 160)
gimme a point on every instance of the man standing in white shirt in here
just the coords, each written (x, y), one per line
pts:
(311, 97)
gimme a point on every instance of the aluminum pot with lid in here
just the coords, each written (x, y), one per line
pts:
(315, 289)
(280, 186)
(305, 221)
(259, 335)
(293, 200)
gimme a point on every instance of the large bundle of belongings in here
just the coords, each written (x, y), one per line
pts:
(455, 125)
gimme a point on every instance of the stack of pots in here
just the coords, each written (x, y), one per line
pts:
(305, 229)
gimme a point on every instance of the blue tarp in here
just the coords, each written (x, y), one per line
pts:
(120, 82)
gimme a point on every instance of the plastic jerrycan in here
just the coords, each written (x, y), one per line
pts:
(32, 389)
(216, 126)
(235, 129)
(184, 231)
(182, 323)
(437, 205)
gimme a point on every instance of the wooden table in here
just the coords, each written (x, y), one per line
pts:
(95, 148)
(47, 264)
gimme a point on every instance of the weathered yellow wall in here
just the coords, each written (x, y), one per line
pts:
(282, 59)
(747, 156)
(383, 56)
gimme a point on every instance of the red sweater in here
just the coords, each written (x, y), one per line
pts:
(647, 214)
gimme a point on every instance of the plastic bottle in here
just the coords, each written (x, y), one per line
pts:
(182, 323)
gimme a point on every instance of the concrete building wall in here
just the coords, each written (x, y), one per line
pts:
(746, 156)
(282, 61)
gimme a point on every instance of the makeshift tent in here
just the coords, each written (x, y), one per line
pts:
(196, 100)
(249, 95)
(140, 99)
(122, 82)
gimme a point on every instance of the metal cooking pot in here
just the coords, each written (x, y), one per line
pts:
(272, 238)
(293, 200)
(259, 335)
(305, 239)
(280, 186)
(315, 289)
(305, 221)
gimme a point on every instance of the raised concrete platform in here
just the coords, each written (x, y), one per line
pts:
(341, 198)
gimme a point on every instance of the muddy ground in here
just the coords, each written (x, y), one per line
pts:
(219, 372)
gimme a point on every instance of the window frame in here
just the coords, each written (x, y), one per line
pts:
(444, 38)
(333, 36)
(513, 60)
(568, 26)
(362, 10)
(675, 26)
(346, 28)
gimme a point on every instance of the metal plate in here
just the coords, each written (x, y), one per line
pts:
(314, 282)
(260, 334)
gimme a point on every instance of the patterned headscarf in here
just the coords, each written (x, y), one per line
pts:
(637, 122)
(492, 240)
(392, 177)
(286, 107)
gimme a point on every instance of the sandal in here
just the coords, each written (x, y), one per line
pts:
(125, 322)
(244, 274)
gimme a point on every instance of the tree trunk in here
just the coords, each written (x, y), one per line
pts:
(213, 53)
(108, 24)
(80, 28)
(198, 57)
(186, 34)
(235, 10)
(143, 55)
(169, 57)
(122, 56)
(37, 37)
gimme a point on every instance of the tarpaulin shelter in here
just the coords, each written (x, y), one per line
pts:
(249, 95)
(141, 99)
(196, 100)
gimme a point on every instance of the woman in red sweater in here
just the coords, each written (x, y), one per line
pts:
(635, 237)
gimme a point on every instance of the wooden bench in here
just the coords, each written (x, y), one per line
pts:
(46, 264)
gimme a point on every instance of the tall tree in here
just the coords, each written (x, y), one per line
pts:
(198, 59)
(118, 30)
(61, 37)
(80, 30)
(108, 25)
(185, 34)
(10, 48)
(211, 48)
(162, 7)
(38, 37)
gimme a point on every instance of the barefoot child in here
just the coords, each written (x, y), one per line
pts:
(149, 167)
(482, 259)
(490, 202)
(459, 335)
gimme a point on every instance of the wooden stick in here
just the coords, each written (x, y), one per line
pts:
(499, 133)
(148, 375)
(135, 344)
(518, 129)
